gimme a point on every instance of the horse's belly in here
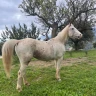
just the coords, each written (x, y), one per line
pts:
(42, 55)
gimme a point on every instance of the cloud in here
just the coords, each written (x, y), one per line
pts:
(11, 15)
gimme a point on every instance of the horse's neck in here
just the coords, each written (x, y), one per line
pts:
(63, 35)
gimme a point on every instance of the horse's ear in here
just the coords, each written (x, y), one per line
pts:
(69, 24)
(69, 21)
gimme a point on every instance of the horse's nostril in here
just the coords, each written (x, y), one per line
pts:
(78, 36)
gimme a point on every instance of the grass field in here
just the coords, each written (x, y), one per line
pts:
(78, 79)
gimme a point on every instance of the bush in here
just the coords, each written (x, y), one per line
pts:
(94, 45)
(1, 43)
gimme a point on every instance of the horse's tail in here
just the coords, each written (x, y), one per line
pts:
(7, 52)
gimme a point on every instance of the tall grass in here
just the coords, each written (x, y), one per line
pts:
(77, 80)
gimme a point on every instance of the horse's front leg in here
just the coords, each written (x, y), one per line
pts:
(57, 65)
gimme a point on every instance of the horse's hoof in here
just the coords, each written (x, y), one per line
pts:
(59, 79)
(27, 84)
(19, 88)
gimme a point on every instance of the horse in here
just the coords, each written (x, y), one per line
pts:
(27, 48)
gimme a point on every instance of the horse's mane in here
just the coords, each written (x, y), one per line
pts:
(62, 35)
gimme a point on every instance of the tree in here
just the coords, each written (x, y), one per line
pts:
(56, 17)
(46, 11)
(1, 43)
(20, 32)
(94, 44)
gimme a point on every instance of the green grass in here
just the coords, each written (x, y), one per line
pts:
(77, 80)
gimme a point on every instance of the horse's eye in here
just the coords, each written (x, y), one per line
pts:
(72, 28)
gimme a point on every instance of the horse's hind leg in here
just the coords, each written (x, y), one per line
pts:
(22, 76)
(25, 80)
(57, 65)
(21, 73)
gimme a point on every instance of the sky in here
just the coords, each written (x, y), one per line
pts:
(11, 15)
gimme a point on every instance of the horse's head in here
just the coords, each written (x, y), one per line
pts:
(74, 33)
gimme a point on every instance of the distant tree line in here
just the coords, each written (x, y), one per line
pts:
(19, 32)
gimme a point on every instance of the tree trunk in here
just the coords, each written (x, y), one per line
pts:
(54, 29)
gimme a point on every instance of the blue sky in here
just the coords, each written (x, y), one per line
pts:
(10, 14)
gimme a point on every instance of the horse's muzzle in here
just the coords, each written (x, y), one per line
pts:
(80, 36)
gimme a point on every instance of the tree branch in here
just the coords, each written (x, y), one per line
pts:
(35, 14)
(72, 19)
(82, 11)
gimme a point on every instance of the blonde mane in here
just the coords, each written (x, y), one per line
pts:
(63, 35)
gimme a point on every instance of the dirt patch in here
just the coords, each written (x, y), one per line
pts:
(71, 61)
(40, 63)
(65, 62)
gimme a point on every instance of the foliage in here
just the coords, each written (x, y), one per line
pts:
(1, 43)
(77, 80)
(94, 44)
(20, 32)
(52, 15)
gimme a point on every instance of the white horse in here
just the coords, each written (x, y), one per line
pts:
(25, 49)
